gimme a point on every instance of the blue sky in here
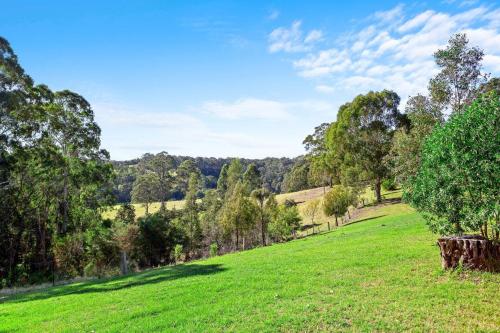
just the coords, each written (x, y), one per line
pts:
(234, 78)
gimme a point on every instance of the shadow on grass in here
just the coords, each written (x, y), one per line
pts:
(309, 226)
(118, 283)
(364, 220)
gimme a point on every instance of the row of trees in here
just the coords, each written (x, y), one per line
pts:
(238, 214)
(442, 150)
(272, 171)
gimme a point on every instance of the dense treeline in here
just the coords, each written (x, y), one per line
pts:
(55, 182)
(272, 171)
(54, 178)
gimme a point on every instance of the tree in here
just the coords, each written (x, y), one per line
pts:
(315, 143)
(298, 177)
(336, 202)
(190, 216)
(251, 178)
(404, 157)
(311, 210)
(126, 213)
(234, 173)
(238, 214)
(457, 84)
(361, 138)
(261, 196)
(285, 223)
(222, 184)
(457, 185)
(147, 189)
(183, 174)
(162, 164)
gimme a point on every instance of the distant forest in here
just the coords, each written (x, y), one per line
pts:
(272, 171)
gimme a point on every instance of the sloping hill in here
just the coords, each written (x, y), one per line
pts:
(381, 273)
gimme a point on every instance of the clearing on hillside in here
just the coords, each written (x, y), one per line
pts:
(381, 273)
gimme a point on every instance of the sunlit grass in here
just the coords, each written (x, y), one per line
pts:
(380, 274)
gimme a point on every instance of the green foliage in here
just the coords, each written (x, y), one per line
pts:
(214, 249)
(285, 223)
(337, 201)
(389, 184)
(298, 177)
(351, 272)
(251, 178)
(457, 84)
(361, 137)
(178, 252)
(457, 185)
(126, 214)
(147, 189)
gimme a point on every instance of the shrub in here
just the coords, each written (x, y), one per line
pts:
(389, 184)
(336, 202)
(457, 185)
(285, 224)
(214, 249)
(178, 251)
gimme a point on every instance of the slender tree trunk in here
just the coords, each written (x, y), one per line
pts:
(237, 239)
(378, 186)
(336, 221)
(262, 225)
(348, 213)
(146, 205)
(329, 225)
(123, 263)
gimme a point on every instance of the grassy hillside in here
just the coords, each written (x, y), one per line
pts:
(381, 273)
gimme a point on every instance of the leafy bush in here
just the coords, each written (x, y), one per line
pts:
(457, 184)
(178, 252)
(389, 184)
(285, 224)
(214, 249)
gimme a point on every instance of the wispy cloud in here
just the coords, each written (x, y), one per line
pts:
(255, 108)
(293, 39)
(273, 15)
(394, 50)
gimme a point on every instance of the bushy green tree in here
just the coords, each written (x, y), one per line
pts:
(457, 184)
(336, 202)
(147, 189)
(285, 223)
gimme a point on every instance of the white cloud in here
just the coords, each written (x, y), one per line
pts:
(255, 108)
(292, 40)
(390, 15)
(313, 36)
(392, 53)
(273, 15)
(323, 88)
(246, 108)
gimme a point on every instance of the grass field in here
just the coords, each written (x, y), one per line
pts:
(379, 274)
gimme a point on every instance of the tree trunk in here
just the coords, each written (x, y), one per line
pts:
(123, 263)
(473, 252)
(378, 186)
(237, 239)
(147, 208)
(262, 224)
(336, 221)
(328, 225)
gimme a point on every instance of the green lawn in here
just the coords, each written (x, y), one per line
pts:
(380, 274)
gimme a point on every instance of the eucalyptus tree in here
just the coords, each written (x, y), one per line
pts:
(261, 196)
(460, 76)
(361, 137)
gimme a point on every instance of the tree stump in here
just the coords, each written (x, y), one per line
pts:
(470, 251)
